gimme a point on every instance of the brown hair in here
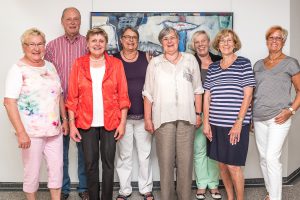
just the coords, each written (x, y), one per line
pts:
(129, 28)
(226, 32)
(96, 31)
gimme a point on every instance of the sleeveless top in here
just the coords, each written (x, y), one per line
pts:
(135, 74)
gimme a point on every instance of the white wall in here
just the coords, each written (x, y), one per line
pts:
(251, 19)
(293, 142)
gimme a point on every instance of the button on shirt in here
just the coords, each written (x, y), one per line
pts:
(171, 89)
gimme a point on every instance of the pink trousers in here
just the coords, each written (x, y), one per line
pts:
(49, 148)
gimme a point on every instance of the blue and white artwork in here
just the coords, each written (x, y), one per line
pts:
(150, 24)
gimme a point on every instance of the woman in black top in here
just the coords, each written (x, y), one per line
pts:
(135, 64)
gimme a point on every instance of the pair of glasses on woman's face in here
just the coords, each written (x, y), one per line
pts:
(33, 45)
(274, 38)
(129, 37)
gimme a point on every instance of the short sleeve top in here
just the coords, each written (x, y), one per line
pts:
(273, 91)
(37, 90)
(226, 90)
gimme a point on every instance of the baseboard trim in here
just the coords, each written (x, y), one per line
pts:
(256, 182)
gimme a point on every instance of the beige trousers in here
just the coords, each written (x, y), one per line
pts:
(174, 147)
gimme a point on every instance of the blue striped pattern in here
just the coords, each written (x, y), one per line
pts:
(226, 89)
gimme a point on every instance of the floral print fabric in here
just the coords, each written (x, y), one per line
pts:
(37, 90)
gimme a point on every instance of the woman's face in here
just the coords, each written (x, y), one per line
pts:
(34, 48)
(275, 41)
(201, 44)
(170, 43)
(226, 44)
(96, 45)
(129, 40)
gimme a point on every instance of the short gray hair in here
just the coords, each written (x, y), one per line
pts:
(165, 31)
(70, 8)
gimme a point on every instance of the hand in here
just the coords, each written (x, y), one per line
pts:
(120, 131)
(207, 131)
(283, 116)
(235, 132)
(23, 140)
(198, 121)
(74, 133)
(149, 126)
(65, 127)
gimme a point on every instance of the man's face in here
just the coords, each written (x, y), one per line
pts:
(71, 22)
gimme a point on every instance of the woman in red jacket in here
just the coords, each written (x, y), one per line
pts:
(97, 103)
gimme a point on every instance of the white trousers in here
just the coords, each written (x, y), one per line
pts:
(135, 130)
(269, 139)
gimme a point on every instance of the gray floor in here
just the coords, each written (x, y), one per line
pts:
(290, 192)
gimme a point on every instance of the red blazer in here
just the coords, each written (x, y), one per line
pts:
(114, 92)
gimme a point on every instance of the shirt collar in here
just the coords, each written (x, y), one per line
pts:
(76, 38)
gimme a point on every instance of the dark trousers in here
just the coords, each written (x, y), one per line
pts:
(90, 145)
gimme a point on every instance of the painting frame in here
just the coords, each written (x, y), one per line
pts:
(149, 24)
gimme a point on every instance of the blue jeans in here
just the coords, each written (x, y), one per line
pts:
(82, 186)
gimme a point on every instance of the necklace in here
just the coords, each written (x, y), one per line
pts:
(274, 59)
(133, 58)
(96, 60)
(172, 61)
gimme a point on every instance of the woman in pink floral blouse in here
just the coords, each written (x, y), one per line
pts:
(34, 104)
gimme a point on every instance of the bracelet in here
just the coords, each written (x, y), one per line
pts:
(240, 119)
(64, 118)
(199, 113)
(71, 119)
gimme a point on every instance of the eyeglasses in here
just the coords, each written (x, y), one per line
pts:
(277, 39)
(33, 45)
(226, 41)
(128, 37)
(166, 39)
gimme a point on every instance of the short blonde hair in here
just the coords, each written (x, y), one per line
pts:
(272, 29)
(32, 32)
(195, 35)
(96, 31)
(224, 33)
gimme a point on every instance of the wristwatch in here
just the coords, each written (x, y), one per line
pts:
(292, 110)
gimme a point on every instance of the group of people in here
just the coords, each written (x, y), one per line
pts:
(72, 88)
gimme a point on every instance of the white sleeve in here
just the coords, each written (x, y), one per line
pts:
(13, 84)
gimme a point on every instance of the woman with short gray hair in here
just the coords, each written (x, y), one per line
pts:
(172, 103)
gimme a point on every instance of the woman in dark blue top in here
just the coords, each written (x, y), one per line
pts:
(228, 93)
(135, 64)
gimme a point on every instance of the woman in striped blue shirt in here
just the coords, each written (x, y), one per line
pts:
(228, 93)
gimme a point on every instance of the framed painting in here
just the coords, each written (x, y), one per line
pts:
(149, 25)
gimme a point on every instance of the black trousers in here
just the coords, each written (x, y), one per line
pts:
(90, 145)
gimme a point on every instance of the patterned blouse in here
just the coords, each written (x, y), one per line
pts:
(37, 90)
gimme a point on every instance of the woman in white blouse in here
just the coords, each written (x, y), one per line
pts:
(172, 94)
